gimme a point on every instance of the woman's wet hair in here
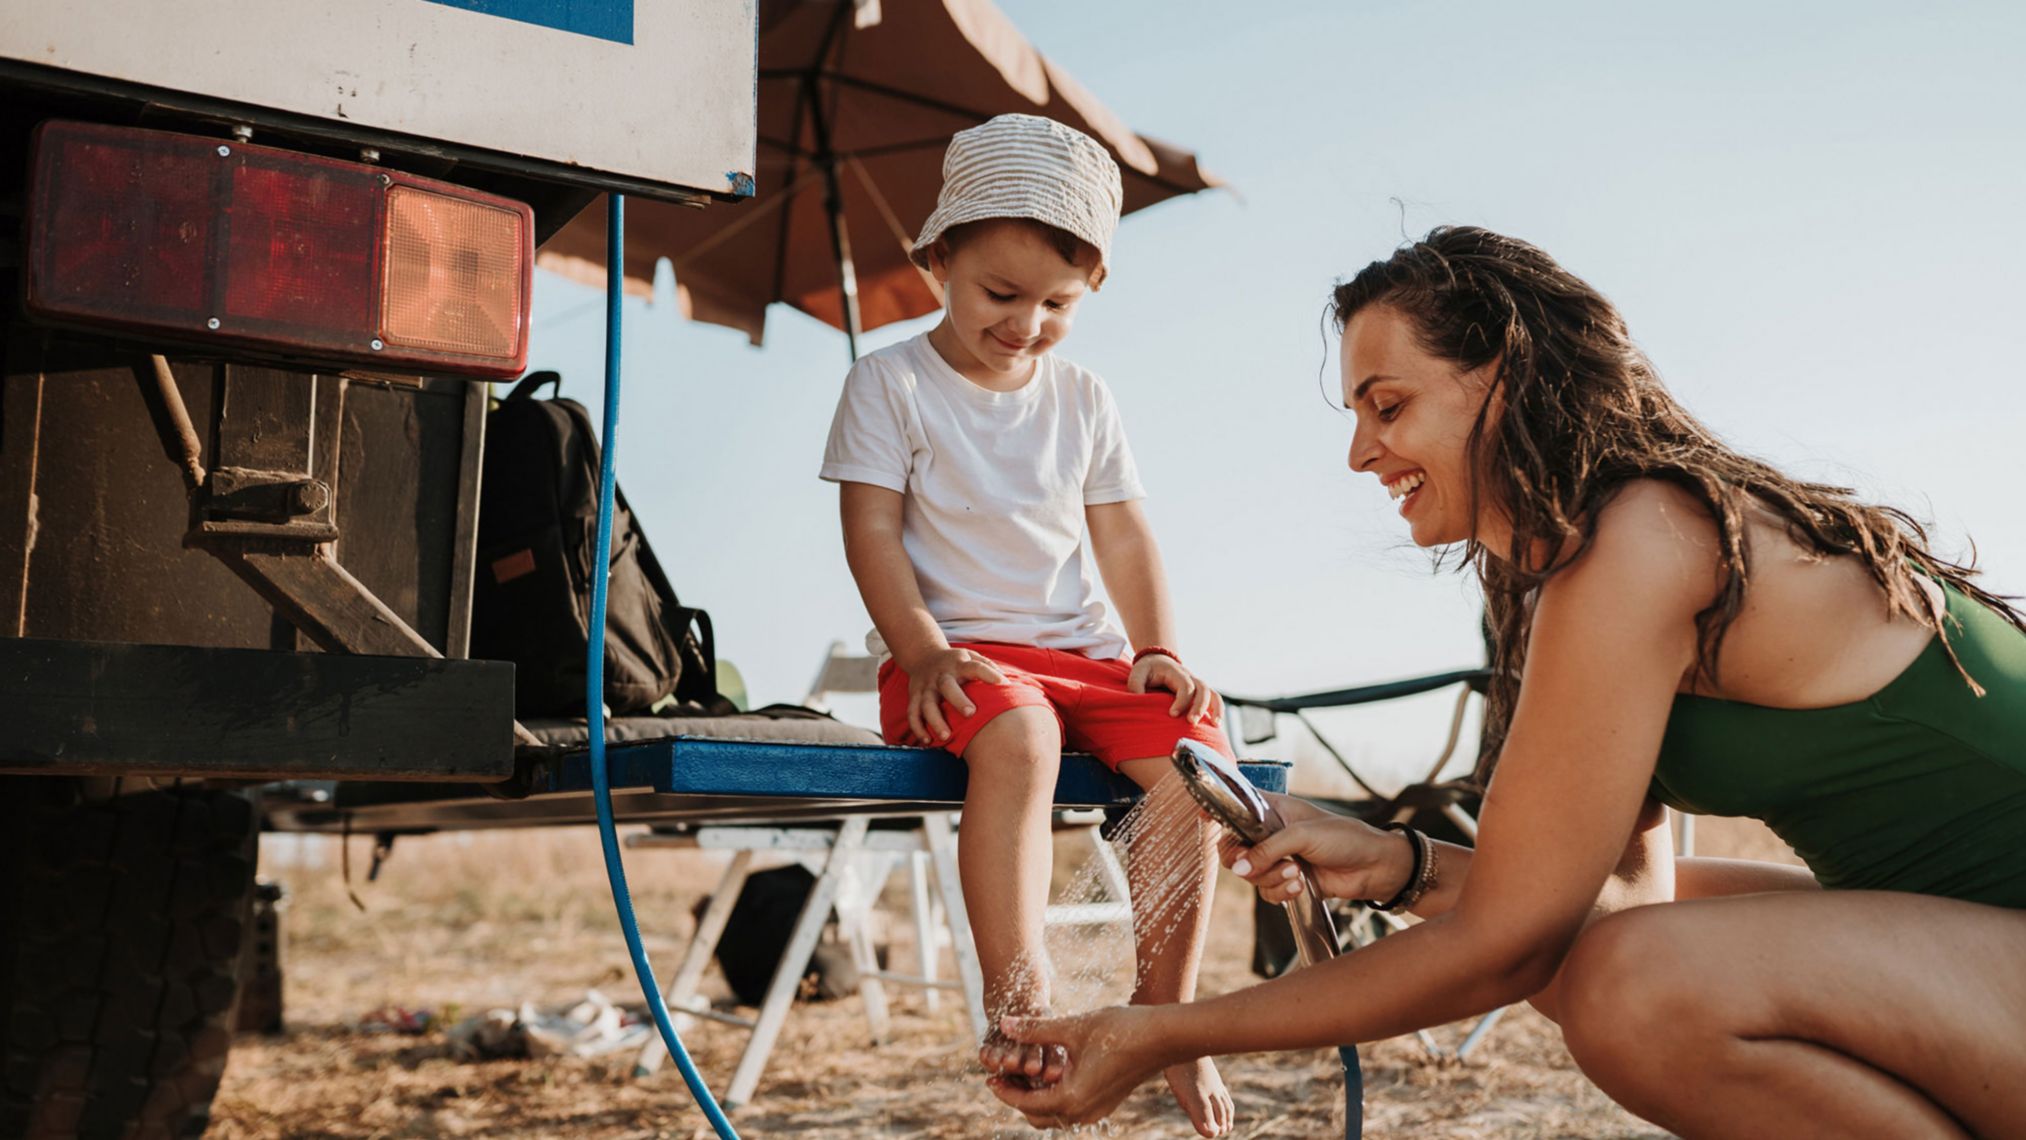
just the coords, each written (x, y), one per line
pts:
(1574, 412)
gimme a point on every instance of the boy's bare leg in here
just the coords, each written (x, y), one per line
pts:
(1168, 934)
(1004, 858)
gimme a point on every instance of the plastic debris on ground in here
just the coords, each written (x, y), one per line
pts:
(404, 1021)
(590, 1027)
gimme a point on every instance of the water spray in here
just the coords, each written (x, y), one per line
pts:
(1226, 796)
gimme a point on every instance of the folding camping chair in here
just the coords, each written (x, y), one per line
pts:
(1430, 803)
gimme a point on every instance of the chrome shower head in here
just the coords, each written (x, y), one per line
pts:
(1223, 792)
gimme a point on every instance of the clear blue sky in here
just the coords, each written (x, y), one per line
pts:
(1810, 213)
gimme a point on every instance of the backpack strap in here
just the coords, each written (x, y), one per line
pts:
(534, 382)
(699, 686)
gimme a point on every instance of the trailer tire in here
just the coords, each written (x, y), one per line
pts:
(120, 924)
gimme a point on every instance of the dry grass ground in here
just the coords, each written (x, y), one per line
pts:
(467, 923)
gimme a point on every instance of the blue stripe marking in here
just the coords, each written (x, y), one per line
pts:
(603, 19)
(693, 766)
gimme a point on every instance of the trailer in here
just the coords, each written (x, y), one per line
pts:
(259, 259)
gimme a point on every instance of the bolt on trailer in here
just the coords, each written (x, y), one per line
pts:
(258, 261)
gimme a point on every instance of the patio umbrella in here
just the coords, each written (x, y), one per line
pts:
(857, 100)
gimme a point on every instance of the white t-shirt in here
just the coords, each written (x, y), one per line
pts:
(995, 486)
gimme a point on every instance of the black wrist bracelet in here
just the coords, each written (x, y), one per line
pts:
(1407, 893)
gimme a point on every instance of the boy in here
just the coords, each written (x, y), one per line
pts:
(972, 463)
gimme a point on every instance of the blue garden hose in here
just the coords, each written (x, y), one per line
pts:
(1354, 1092)
(594, 683)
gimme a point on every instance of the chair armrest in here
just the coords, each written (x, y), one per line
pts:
(1477, 679)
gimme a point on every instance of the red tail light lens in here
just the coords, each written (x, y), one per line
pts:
(299, 252)
(228, 243)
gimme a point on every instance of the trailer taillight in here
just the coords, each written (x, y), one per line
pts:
(454, 272)
(153, 232)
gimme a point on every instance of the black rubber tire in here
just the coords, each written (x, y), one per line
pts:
(120, 925)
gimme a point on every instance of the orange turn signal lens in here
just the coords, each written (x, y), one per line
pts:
(454, 275)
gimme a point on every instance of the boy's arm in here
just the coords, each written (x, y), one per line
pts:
(1131, 566)
(886, 580)
(885, 577)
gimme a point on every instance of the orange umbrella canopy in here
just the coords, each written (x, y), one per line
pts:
(858, 99)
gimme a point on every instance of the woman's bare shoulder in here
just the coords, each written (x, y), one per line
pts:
(1657, 508)
(1655, 544)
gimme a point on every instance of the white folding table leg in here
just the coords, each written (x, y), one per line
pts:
(1116, 909)
(859, 890)
(794, 961)
(682, 984)
(1109, 867)
(1114, 874)
(925, 928)
(943, 852)
(1477, 1033)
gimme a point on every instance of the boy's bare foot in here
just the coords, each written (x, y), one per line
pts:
(1200, 1091)
(1038, 1065)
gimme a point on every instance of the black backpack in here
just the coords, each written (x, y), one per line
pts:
(756, 937)
(531, 600)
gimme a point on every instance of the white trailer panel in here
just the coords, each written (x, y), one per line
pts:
(654, 91)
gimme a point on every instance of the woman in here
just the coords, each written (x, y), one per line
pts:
(1673, 624)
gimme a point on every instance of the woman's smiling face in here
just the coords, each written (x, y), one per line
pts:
(1414, 412)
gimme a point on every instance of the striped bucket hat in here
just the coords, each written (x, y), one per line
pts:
(1026, 166)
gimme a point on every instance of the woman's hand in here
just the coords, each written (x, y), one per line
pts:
(1159, 671)
(939, 677)
(1351, 860)
(1111, 1052)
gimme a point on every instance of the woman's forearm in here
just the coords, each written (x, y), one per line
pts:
(1443, 969)
(1697, 877)
(1452, 867)
(1433, 973)
(1694, 877)
(1426, 975)
(1646, 870)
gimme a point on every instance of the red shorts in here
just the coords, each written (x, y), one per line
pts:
(1087, 695)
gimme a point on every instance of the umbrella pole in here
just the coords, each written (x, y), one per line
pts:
(840, 247)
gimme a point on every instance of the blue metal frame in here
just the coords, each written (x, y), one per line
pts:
(696, 766)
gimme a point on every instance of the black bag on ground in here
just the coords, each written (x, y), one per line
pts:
(531, 600)
(756, 935)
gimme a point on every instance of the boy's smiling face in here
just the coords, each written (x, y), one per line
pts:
(1008, 297)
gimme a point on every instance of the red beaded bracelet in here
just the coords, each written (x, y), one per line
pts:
(1150, 650)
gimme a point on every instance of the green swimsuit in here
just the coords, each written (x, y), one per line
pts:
(1921, 788)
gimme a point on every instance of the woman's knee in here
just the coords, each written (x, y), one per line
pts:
(1629, 987)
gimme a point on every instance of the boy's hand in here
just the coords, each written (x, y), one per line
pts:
(1159, 671)
(940, 677)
